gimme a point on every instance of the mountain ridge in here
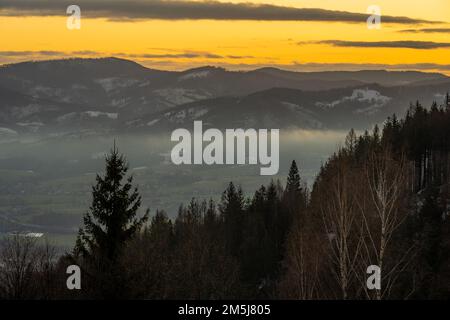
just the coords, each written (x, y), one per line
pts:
(114, 95)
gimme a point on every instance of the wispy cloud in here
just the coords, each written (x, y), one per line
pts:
(84, 53)
(240, 57)
(184, 55)
(422, 45)
(176, 9)
(8, 57)
(30, 53)
(427, 30)
(369, 66)
(171, 54)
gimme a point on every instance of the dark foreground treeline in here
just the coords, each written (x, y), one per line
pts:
(383, 199)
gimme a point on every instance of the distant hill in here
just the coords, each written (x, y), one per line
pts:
(111, 94)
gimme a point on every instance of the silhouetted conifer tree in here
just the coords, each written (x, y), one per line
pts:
(110, 222)
(232, 210)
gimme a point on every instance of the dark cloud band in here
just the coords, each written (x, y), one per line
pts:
(30, 53)
(427, 30)
(175, 9)
(423, 45)
(371, 66)
(147, 56)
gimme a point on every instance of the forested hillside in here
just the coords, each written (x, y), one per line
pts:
(383, 199)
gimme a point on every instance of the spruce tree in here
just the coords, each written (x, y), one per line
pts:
(294, 197)
(294, 194)
(293, 180)
(109, 224)
(232, 210)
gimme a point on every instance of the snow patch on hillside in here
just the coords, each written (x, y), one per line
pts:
(25, 111)
(151, 123)
(96, 114)
(195, 75)
(30, 124)
(49, 92)
(111, 84)
(65, 117)
(182, 115)
(120, 103)
(369, 95)
(177, 96)
(8, 132)
(360, 95)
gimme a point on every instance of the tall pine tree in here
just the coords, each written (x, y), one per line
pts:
(294, 194)
(232, 210)
(112, 217)
(293, 179)
(110, 222)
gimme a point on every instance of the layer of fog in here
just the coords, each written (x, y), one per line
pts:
(47, 181)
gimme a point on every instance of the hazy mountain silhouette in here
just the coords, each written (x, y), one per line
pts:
(110, 94)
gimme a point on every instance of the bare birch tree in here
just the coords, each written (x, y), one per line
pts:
(382, 209)
(303, 265)
(339, 219)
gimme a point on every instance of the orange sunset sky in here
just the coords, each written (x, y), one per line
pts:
(234, 34)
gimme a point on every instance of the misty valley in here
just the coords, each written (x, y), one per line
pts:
(45, 183)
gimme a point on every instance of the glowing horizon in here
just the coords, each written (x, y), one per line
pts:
(179, 44)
